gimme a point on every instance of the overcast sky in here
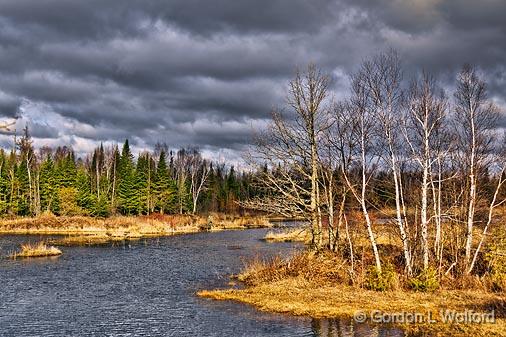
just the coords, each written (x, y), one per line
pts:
(206, 73)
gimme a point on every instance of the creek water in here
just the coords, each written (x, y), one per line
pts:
(147, 288)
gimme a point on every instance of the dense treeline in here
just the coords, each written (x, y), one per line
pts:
(435, 161)
(111, 181)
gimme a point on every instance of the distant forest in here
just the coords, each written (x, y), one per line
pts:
(111, 181)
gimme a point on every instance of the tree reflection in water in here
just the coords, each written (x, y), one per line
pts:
(349, 328)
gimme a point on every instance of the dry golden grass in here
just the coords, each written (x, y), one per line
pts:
(320, 285)
(297, 296)
(289, 235)
(224, 221)
(92, 240)
(124, 227)
(37, 250)
(322, 268)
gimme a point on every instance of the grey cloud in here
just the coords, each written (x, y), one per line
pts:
(202, 73)
(40, 130)
(9, 105)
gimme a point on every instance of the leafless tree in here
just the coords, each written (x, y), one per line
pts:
(181, 165)
(316, 159)
(290, 149)
(427, 109)
(475, 116)
(500, 164)
(365, 160)
(342, 148)
(382, 80)
(199, 172)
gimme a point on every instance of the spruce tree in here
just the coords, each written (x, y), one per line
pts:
(142, 183)
(4, 183)
(23, 189)
(164, 188)
(127, 195)
(85, 199)
(47, 186)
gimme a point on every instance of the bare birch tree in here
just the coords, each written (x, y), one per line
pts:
(365, 159)
(382, 77)
(199, 172)
(475, 116)
(496, 201)
(182, 164)
(427, 108)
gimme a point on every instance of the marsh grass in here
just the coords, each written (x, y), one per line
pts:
(321, 285)
(289, 235)
(82, 229)
(298, 296)
(40, 249)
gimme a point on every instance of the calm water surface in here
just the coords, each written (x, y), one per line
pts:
(146, 288)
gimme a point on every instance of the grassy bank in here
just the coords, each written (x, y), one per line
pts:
(83, 230)
(320, 285)
(298, 297)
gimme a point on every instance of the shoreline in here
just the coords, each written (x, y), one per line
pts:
(297, 297)
(319, 285)
(83, 229)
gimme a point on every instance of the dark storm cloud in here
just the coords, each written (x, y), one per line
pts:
(95, 19)
(9, 105)
(206, 73)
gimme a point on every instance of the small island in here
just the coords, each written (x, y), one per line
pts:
(40, 249)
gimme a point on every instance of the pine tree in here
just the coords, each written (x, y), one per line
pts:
(143, 183)
(47, 186)
(106, 184)
(101, 206)
(65, 170)
(23, 189)
(85, 199)
(232, 191)
(127, 195)
(4, 183)
(164, 188)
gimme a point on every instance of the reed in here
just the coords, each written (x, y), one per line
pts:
(126, 226)
(289, 235)
(40, 249)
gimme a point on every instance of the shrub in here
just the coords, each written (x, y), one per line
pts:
(427, 280)
(68, 201)
(323, 268)
(382, 281)
(495, 258)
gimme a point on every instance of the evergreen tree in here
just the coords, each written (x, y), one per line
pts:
(85, 199)
(4, 183)
(23, 189)
(107, 182)
(127, 194)
(65, 167)
(12, 197)
(101, 206)
(47, 186)
(164, 188)
(231, 191)
(143, 183)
